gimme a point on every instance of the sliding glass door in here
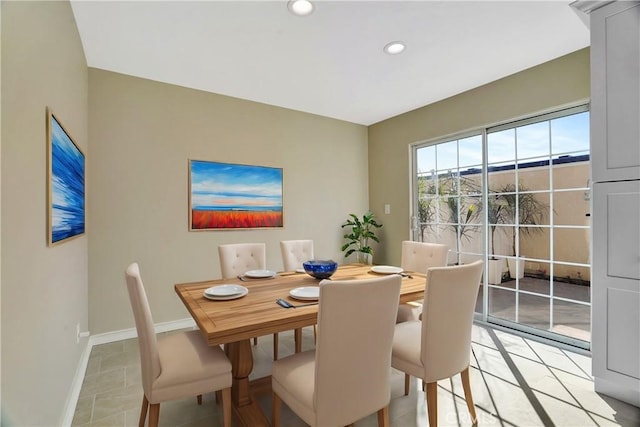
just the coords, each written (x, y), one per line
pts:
(517, 196)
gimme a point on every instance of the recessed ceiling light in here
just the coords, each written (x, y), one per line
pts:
(300, 7)
(394, 48)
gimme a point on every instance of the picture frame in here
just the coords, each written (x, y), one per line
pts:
(65, 184)
(230, 196)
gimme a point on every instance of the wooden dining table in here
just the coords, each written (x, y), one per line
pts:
(233, 323)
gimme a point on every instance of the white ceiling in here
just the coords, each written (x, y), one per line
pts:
(331, 62)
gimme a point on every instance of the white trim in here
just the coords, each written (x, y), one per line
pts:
(588, 6)
(76, 386)
(105, 338)
(125, 334)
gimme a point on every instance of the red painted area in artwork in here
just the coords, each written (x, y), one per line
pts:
(202, 220)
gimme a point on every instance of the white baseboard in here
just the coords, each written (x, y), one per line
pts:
(76, 386)
(125, 334)
(105, 338)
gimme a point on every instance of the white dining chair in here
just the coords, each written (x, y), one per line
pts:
(418, 257)
(238, 258)
(295, 252)
(347, 376)
(439, 345)
(177, 365)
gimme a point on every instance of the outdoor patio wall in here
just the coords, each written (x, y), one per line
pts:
(560, 82)
(142, 135)
(44, 289)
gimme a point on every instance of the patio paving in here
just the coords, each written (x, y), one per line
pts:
(569, 318)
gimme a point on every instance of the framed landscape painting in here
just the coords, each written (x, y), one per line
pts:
(225, 196)
(65, 184)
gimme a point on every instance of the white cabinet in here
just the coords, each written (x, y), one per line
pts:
(615, 92)
(615, 290)
(615, 163)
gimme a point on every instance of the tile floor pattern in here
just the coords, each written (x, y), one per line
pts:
(515, 382)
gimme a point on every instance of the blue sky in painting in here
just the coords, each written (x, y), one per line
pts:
(224, 186)
(67, 185)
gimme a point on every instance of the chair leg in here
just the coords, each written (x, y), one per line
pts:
(275, 410)
(199, 397)
(275, 346)
(218, 397)
(226, 407)
(255, 340)
(383, 417)
(432, 403)
(154, 414)
(407, 381)
(466, 385)
(315, 334)
(297, 339)
(143, 411)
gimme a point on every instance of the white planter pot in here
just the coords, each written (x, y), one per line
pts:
(511, 262)
(495, 271)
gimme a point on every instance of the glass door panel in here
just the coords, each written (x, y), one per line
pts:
(502, 303)
(572, 319)
(534, 310)
(516, 196)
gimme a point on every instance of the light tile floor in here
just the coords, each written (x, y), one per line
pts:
(515, 382)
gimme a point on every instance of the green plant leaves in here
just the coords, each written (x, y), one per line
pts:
(362, 229)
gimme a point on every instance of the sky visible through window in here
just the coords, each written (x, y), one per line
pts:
(568, 135)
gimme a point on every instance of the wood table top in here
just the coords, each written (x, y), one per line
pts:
(257, 313)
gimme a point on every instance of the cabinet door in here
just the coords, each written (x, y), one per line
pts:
(615, 92)
(615, 289)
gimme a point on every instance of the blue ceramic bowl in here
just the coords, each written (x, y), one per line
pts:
(320, 269)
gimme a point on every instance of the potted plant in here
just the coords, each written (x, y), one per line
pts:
(362, 229)
(459, 208)
(530, 211)
(462, 217)
(497, 213)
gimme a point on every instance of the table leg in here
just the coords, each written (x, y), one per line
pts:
(246, 410)
(241, 365)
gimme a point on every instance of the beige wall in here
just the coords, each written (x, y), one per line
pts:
(142, 134)
(44, 290)
(562, 81)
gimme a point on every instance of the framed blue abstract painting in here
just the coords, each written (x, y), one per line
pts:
(65, 184)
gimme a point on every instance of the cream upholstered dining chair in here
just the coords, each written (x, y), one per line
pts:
(238, 258)
(439, 345)
(295, 252)
(418, 257)
(347, 376)
(177, 365)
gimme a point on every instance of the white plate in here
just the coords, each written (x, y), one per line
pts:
(306, 293)
(386, 269)
(260, 274)
(225, 292)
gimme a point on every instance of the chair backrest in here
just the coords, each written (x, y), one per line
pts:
(447, 317)
(149, 357)
(238, 258)
(419, 256)
(295, 252)
(356, 320)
